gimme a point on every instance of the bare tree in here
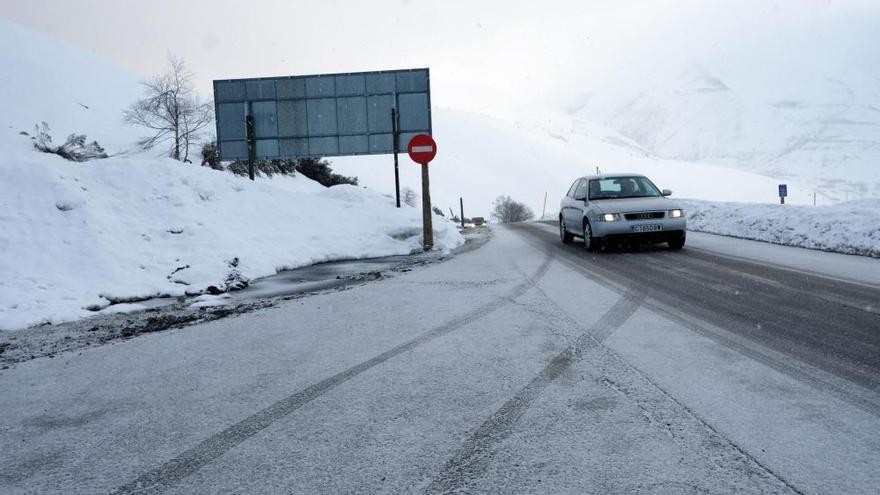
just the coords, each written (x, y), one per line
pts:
(171, 110)
(507, 210)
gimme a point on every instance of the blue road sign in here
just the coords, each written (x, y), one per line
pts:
(783, 190)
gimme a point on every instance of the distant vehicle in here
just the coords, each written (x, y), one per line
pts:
(620, 207)
(471, 223)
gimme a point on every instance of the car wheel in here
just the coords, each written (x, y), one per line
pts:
(677, 242)
(564, 235)
(590, 242)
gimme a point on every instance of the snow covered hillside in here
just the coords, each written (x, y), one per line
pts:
(828, 137)
(77, 237)
(45, 80)
(794, 97)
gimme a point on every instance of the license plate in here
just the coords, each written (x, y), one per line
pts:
(647, 228)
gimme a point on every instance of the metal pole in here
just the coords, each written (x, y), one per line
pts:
(543, 211)
(461, 204)
(251, 144)
(396, 139)
(427, 223)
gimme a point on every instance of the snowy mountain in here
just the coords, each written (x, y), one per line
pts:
(795, 98)
(829, 137)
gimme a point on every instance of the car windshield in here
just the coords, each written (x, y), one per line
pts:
(623, 187)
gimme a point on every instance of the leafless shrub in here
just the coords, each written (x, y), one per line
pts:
(75, 149)
(507, 210)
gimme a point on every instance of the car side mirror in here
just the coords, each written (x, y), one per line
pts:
(667, 192)
(580, 198)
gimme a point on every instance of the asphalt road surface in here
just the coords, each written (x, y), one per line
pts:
(524, 366)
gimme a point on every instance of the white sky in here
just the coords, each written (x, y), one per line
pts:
(482, 54)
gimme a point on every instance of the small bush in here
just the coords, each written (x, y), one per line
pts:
(316, 169)
(211, 155)
(264, 167)
(319, 171)
(74, 149)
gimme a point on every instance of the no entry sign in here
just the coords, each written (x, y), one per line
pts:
(422, 148)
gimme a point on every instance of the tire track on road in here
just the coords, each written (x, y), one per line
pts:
(692, 318)
(213, 447)
(473, 458)
(732, 464)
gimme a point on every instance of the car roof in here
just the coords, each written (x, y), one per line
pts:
(610, 176)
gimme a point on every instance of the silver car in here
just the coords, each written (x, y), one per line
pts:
(620, 207)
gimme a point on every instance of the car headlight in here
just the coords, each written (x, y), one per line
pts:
(609, 217)
(676, 213)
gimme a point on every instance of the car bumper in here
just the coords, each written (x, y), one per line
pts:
(669, 228)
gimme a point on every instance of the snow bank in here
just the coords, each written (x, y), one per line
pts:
(78, 236)
(852, 227)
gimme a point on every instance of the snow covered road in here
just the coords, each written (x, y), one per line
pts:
(522, 366)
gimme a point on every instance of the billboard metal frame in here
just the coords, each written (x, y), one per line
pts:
(242, 145)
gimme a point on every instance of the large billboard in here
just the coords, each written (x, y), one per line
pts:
(321, 115)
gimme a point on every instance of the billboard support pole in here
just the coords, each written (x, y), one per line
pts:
(396, 144)
(251, 143)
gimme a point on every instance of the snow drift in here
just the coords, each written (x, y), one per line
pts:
(850, 227)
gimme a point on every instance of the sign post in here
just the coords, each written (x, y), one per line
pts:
(422, 149)
(461, 204)
(783, 192)
(251, 144)
(395, 136)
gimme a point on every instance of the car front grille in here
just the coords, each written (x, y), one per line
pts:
(644, 215)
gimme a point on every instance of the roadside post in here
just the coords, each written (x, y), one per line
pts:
(783, 192)
(461, 205)
(422, 149)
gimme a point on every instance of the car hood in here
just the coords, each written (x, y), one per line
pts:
(627, 205)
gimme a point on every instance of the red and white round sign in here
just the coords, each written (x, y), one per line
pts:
(422, 148)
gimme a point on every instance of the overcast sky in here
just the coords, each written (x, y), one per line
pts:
(503, 52)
